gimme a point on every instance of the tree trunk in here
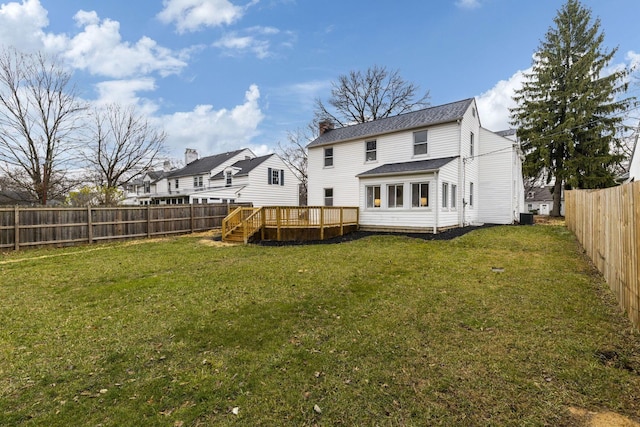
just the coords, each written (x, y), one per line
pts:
(557, 198)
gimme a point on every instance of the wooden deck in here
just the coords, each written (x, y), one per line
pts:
(289, 223)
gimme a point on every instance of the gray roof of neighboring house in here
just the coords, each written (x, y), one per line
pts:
(11, 197)
(203, 165)
(507, 132)
(156, 175)
(245, 166)
(540, 194)
(408, 167)
(429, 116)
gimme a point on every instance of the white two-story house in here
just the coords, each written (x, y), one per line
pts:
(232, 177)
(427, 170)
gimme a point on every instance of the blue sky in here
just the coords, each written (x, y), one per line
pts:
(219, 75)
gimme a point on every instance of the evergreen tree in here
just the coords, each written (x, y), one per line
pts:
(569, 109)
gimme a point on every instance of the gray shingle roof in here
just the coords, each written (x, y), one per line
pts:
(429, 116)
(203, 165)
(245, 166)
(429, 165)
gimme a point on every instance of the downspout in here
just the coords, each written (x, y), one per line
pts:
(435, 226)
(462, 169)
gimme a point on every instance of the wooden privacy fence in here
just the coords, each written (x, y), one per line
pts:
(21, 227)
(607, 225)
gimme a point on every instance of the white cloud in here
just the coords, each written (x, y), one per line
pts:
(192, 15)
(213, 131)
(21, 24)
(125, 92)
(233, 45)
(100, 50)
(494, 104)
(468, 4)
(254, 40)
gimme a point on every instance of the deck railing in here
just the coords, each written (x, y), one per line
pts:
(290, 217)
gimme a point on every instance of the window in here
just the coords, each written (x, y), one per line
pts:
(275, 176)
(373, 196)
(471, 194)
(420, 195)
(394, 195)
(227, 179)
(197, 181)
(445, 194)
(328, 157)
(147, 187)
(471, 142)
(454, 196)
(420, 142)
(328, 196)
(177, 184)
(370, 151)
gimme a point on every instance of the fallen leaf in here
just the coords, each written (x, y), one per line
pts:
(317, 409)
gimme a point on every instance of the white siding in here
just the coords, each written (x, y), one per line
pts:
(349, 161)
(259, 192)
(500, 186)
(498, 193)
(448, 216)
(407, 217)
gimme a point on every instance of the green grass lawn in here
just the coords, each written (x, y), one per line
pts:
(380, 331)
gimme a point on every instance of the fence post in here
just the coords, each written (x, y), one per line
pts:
(191, 205)
(322, 223)
(341, 220)
(89, 225)
(148, 221)
(278, 219)
(16, 228)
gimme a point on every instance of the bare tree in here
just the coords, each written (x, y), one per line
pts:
(123, 144)
(360, 97)
(39, 118)
(294, 154)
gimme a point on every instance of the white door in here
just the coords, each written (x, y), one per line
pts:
(544, 209)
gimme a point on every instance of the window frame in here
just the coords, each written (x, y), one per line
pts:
(371, 154)
(445, 195)
(198, 182)
(417, 203)
(228, 178)
(328, 157)
(177, 184)
(275, 176)
(373, 202)
(471, 191)
(454, 196)
(398, 193)
(471, 145)
(328, 199)
(424, 143)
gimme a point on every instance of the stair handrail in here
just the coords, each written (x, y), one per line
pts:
(252, 224)
(231, 221)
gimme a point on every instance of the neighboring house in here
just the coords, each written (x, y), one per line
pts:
(233, 177)
(633, 174)
(13, 198)
(427, 170)
(539, 200)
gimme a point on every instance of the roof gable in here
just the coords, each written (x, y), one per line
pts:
(245, 166)
(429, 116)
(204, 165)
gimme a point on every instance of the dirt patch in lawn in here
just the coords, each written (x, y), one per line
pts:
(601, 419)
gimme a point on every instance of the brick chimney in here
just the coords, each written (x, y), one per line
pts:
(190, 155)
(325, 126)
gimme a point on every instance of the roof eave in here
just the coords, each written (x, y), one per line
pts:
(340, 141)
